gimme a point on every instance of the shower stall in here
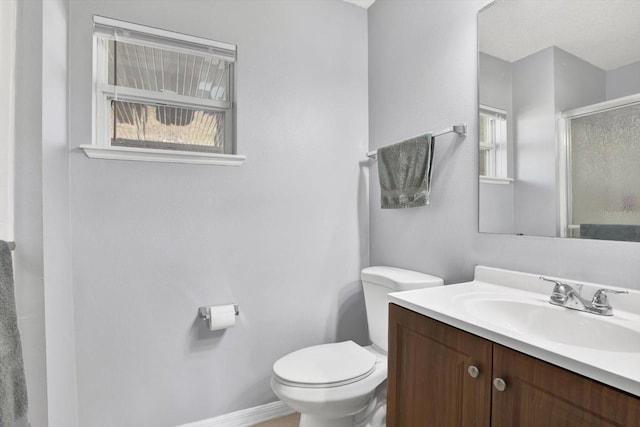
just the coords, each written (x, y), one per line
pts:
(599, 170)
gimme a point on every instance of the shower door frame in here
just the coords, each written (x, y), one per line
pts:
(564, 154)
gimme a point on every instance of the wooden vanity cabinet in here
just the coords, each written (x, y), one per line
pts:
(538, 394)
(429, 383)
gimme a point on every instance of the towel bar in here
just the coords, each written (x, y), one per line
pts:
(460, 129)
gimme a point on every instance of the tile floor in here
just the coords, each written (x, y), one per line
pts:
(289, 421)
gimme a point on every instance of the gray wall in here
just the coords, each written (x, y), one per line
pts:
(496, 208)
(60, 347)
(424, 77)
(577, 83)
(494, 90)
(495, 82)
(545, 84)
(284, 236)
(535, 202)
(42, 254)
(623, 81)
(28, 256)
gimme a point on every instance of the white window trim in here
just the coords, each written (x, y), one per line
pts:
(101, 147)
(188, 44)
(495, 180)
(484, 179)
(157, 155)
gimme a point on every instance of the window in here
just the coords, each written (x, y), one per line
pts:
(492, 154)
(161, 96)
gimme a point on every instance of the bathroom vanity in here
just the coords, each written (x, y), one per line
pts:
(493, 352)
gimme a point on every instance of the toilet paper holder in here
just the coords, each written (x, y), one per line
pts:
(205, 312)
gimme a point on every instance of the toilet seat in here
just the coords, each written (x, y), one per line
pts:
(326, 365)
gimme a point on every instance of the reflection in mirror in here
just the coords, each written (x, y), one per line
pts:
(559, 118)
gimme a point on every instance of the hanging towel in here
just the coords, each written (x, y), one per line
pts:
(404, 170)
(13, 389)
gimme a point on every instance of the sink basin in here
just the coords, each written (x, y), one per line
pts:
(558, 324)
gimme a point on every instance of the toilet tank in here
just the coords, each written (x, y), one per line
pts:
(377, 282)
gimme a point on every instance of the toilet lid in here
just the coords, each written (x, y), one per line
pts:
(326, 365)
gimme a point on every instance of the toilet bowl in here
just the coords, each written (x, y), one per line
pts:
(344, 384)
(331, 403)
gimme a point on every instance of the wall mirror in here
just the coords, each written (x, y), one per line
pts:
(559, 118)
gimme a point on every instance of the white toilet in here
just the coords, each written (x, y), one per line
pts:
(343, 384)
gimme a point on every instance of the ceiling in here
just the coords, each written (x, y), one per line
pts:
(605, 33)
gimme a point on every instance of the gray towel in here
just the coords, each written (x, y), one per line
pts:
(13, 388)
(404, 170)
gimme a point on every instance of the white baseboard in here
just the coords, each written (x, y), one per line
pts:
(246, 417)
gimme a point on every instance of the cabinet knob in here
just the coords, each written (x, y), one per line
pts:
(473, 371)
(499, 384)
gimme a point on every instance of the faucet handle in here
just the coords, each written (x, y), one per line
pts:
(600, 300)
(561, 291)
(546, 279)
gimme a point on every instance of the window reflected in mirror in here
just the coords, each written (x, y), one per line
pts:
(492, 150)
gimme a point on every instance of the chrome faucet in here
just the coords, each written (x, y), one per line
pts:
(566, 296)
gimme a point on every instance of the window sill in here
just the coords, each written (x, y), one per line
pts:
(165, 156)
(495, 180)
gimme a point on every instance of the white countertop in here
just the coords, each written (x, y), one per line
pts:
(620, 369)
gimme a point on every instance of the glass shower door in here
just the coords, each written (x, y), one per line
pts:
(603, 172)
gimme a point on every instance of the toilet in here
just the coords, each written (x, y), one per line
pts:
(344, 384)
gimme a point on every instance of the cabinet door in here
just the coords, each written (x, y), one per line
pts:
(540, 394)
(429, 383)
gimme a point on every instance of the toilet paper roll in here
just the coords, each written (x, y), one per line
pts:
(221, 317)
